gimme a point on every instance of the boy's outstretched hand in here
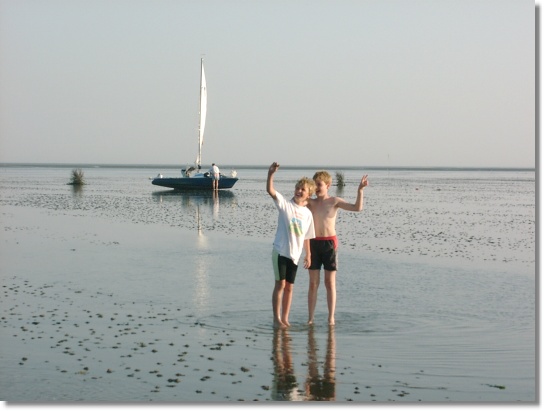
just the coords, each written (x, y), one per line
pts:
(364, 182)
(273, 168)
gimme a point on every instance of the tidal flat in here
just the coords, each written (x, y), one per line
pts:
(113, 296)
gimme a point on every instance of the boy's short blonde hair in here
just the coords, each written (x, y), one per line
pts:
(305, 181)
(322, 176)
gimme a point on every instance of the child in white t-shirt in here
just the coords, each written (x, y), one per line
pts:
(295, 229)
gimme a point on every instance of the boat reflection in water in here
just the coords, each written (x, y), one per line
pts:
(197, 203)
(191, 198)
(318, 386)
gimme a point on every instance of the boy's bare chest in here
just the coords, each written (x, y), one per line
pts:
(325, 209)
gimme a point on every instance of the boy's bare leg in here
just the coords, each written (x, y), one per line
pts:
(331, 288)
(313, 284)
(276, 303)
(286, 303)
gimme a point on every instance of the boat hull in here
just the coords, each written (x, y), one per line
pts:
(193, 183)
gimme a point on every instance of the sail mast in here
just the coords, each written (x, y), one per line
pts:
(202, 113)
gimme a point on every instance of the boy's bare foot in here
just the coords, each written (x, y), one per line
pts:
(279, 324)
(332, 321)
(286, 323)
(310, 322)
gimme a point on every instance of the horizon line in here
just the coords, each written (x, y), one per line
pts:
(248, 166)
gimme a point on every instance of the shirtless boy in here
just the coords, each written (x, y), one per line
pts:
(324, 247)
(295, 229)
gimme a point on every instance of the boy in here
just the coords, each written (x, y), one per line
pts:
(324, 247)
(295, 229)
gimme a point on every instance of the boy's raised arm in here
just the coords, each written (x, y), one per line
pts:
(270, 184)
(358, 205)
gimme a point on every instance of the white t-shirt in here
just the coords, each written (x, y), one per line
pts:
(295, 225)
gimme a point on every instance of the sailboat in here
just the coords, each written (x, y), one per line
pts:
(192, 177)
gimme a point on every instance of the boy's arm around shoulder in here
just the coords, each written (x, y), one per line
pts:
(270, 184)
(358, 205)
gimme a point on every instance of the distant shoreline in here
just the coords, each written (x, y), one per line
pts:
(288, 167)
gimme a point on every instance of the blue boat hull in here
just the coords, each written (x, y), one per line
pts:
(193, 183)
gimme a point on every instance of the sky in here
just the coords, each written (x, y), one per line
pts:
(433, 83)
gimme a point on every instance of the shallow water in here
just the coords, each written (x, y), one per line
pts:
(484, 218)
(123, 292)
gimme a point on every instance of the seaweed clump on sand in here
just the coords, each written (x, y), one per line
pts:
(340, 179)
(77, 177)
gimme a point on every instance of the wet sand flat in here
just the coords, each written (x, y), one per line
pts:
(96, 311)
(121, 293)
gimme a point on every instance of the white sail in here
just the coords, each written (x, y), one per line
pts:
(202, 112)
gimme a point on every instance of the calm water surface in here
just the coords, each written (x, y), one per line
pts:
(436, 288)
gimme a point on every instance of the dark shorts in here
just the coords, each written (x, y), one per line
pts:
(323, 252)
(284, 268)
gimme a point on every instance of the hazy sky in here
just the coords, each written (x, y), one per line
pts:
(309, 82)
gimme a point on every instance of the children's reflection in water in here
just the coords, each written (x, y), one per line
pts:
(318, 386)
(284, 382)
(321, 387)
